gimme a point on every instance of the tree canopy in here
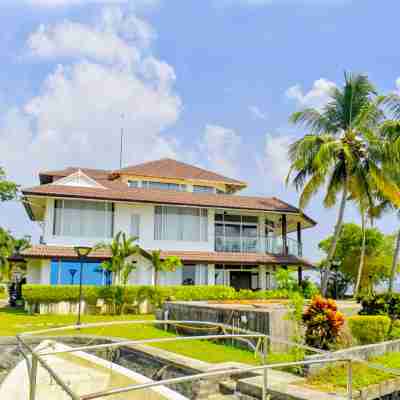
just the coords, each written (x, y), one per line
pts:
(379, 250)
(8, 189)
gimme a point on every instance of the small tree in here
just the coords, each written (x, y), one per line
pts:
(169, 264)
(9, 246)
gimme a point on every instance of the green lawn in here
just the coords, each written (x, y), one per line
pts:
(335, 375)
(13, 322)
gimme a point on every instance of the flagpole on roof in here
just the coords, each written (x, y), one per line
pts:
(122, 140)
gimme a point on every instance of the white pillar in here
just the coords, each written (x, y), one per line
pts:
(262, 277)
(211, 275)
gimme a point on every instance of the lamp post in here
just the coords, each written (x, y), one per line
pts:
(82, 252)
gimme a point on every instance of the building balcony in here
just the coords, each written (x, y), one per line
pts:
(271, 245)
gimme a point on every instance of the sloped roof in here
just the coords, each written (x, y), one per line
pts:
(65, 252)
(168, 168)
(121, 192)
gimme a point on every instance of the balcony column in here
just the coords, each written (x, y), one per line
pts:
(299, 240)
(262, 277)
(284, 235)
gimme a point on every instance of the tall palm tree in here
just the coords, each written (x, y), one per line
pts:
(390, 131)
(342, 152)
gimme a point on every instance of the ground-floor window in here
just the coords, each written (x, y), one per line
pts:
(68, 273)
(245, 277)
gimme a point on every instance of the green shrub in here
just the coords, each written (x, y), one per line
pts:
(34, 294)
(381, 304)
(367, 329)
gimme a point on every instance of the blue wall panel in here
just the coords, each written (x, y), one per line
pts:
(67, 273)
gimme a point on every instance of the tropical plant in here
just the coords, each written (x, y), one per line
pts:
(169, 264)
(8, 189)
(323, 323)
(121, 263)
(342, 153)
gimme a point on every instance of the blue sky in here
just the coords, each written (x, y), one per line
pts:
(209, 82)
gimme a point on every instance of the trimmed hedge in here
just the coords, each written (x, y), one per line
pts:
(368, 329)
(34, 294)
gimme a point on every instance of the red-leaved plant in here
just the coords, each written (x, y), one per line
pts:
(323, 323)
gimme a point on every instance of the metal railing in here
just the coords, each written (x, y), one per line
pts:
(263, 244)
(35, 358)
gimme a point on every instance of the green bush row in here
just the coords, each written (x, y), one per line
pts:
(368, 329)
(34, 294)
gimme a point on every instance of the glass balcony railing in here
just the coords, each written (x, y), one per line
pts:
(271, 245)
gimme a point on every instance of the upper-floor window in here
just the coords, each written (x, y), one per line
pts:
(90, 219)
(203, 189)
(163, 186)
(133, 184)
(181, 223)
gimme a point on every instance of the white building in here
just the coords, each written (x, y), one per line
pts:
(221, 237)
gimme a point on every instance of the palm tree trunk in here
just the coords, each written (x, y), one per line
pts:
(336, 234)
(155, 277)
(394, 263)
(362, 257)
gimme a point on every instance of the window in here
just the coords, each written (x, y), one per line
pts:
(203, 189)
(188, 275)
(133, 184)
(89, 219)
(181, 223)
(163, 186)
(135, 225)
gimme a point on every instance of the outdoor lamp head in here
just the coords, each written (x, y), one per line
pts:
(82, 251)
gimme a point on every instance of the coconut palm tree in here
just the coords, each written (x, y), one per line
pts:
(169, 264)
(342, 152)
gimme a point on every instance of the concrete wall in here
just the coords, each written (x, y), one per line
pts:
(358, 352)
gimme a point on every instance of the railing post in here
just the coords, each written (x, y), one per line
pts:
(265, 370)
(33, 378)
(349, 380)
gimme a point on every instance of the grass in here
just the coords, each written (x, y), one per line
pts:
(16, 321)
(335, 376)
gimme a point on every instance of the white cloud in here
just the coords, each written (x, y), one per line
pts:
(221, 147)
(316, 97)
(257, 113)
(274, 162)
(117, 38)
(75, 119)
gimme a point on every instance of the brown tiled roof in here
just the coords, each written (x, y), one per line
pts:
(116, 191)
(64, 252)
(168, 168)
(235, 258)
(46, 251)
